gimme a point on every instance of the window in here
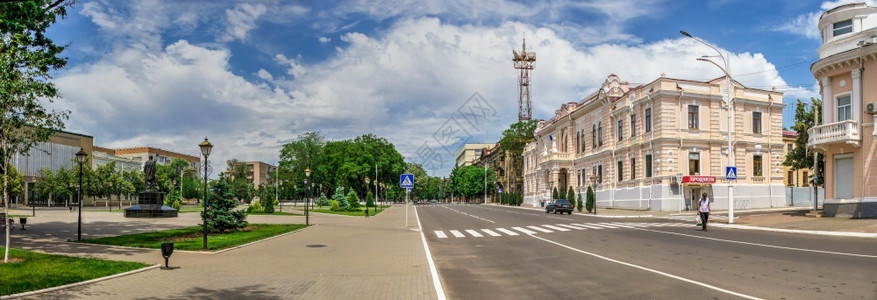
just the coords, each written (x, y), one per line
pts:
(648, 121)
(756, 122)
(594, 136)
(620, 129)
(648, 165)
(790, 148)
(620, 170)
(844, 108)
(563, 141)
(632, 125)
(584, 141)
(757, 166)
(632, 168)
(578, 146)
(693, 116)
(693, 163)
(806, 179)
(478, 152)
(790, 178)
(600, 133)
(843, 27)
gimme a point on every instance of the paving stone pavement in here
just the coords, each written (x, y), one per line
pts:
(339, 258)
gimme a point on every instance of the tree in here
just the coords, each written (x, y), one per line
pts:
(305, 152)
(266, 197)
(222, 214)
(135, 178)
(517, 136)
(240, 187)
(369, 200)
(340, 198)
(353, 200)
(571, 196)
(800, 157)
(322, 201)
(591, 201)
(555, 194)
(12, 181)
(469, 181)
(579, 205)
(27, 56)
(167, 176)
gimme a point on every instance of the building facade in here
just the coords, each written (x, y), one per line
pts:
(507, 167)
(59, 152)
(142, 154)
(103, 156)
(660, 145)
(846, 132)
(468, 153)
(260, 173)
(796, 178)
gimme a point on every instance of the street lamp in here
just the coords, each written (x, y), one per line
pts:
(367, 182)
(594, 189)
(80, 158)
(729, 101)
(205, 146)
(307, 194)
(277, 179)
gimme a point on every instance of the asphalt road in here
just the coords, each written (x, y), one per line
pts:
(493, 252)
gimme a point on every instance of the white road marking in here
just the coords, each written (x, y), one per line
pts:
(540, 229)
(649, 270)
(572, 226)
(440, 234)
(477, 217)
(491, 232)
(436, 283)
(603, 225)
(506, 231)
(474, 233)
(524, 230)
(556, 228)
(588, 226)
(457, 234)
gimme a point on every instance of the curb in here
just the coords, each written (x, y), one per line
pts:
(66, 286)
(812, 232)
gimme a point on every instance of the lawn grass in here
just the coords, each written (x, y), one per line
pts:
(276, 213)
(30, 271)
(360, 213)
(191, 238)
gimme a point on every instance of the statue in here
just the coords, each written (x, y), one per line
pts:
(149, 174)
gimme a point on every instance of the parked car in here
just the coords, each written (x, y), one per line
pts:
(558, 205)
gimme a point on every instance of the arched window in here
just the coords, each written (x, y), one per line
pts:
(594, 136)
(600, 133)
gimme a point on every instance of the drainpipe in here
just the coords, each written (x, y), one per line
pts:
(769, 151)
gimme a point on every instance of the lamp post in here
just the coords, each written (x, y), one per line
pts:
(729, 102)
(80, 158)
(205, 146)
(594, 189)
(277, 179)
(307, 194)
(367, 182)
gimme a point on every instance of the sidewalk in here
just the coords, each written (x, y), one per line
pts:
(785, 219)
(338, 258)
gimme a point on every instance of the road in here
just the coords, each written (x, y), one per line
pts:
(494, 252)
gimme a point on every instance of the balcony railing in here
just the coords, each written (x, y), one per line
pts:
(846, 132)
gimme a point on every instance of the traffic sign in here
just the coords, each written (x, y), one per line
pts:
(500, 190)
(731, 173)
(406, 181)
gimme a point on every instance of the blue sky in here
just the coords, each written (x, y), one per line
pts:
(252, 75)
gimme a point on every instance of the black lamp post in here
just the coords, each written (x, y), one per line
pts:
(367, 182)
(307, 194)
(205, 146)
(80, 158)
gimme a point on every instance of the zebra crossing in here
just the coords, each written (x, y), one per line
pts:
(547, 228)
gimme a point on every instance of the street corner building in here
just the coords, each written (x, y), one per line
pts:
(845, 131)
(660, 145)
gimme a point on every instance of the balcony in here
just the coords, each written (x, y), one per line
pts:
(845, 132)
(557, 156)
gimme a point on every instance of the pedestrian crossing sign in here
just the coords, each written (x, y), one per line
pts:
(731, 173)
(406, 181)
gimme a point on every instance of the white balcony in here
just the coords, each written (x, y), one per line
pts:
(557, 156)
(845, 132)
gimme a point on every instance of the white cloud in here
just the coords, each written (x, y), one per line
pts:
(240, 20)
(806, 25)
(265, 75)
(324, 39)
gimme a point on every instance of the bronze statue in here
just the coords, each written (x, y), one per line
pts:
(149, 174)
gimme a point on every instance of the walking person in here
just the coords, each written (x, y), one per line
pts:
(703, 207)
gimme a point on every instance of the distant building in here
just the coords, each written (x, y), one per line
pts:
(801, 177)
(507, 167)
(845, 133)
(468, 153)
(103, 156)
(162, 157)
(56, 153)
(260, 173)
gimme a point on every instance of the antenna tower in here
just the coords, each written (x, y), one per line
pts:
(524, 61)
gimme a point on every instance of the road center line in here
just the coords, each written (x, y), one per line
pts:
(477, 217)
(648, 270)
(760, 245)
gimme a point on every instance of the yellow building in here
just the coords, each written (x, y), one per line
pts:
(658, 146)
(798, 178)
(846, 134)
(260, 173)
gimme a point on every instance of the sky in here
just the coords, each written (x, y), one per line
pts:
(426, 75)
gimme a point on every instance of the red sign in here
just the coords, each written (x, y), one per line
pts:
(698, 179)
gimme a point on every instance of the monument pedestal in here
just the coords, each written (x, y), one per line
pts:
(150, 205)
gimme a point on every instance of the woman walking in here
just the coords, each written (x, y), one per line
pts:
(704, 210)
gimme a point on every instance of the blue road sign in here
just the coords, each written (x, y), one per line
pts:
(731, 173)
(406, 181)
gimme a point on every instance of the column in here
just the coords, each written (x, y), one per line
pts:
(828, 103)
(857, 96)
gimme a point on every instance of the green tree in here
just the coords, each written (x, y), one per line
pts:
(369, 200)
(12, 181)
(27, 57)
(322, 201)
(591, 201)
(135, 178)
(241, 188)
(469, 181)
(579, 204)
(555, 194)
(340, 198)
(800, 157)
(222, 214)
(353, 200)
(305, 152)
(517, 136)
(571, 196)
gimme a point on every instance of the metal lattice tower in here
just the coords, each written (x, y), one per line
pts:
(524, 61)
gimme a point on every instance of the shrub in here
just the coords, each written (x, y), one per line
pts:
(555, 194)
(340, 198)
(571, 196)
(334, 205)
(322, 201)
(591, 200)
(352, 201)
(579, 203)
(369, 200)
